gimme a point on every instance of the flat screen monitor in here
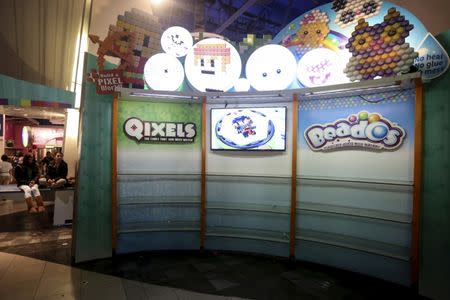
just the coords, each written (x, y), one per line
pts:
(249, 128)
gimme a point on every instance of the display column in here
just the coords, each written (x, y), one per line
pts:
(417, 184)
(203, 178)
(293, 178)
(114, 171)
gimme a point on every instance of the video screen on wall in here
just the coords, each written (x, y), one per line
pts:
(250, 128)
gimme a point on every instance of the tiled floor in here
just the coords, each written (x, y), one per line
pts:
(33, 234)
(35, 263)
(24, 278)
(247, 276)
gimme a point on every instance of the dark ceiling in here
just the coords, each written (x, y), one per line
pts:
(234, 18)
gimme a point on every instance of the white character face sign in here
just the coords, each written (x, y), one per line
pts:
(320, 67)
(271, 67)
(163, 72)
(213, 65)
(176, 41)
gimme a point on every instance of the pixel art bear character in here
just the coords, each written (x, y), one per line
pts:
(380, 50)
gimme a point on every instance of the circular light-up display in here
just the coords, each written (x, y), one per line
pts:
(176, 41)
(321, 67)
(271, 67)
(213, 65)
(242, 85)
(163, 72)
(26, 130)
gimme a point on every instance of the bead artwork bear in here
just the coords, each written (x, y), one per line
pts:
(350, 11)
(380, 50)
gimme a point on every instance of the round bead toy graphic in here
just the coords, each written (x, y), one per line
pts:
(271, 67)
(320, 67)
(176, 41)
(212, 65)
(163, 72)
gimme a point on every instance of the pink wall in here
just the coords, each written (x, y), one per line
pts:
(13, 131)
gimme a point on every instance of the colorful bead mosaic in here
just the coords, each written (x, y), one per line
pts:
(311, 34)
(380, 50)
(135, 37)
(350, 11)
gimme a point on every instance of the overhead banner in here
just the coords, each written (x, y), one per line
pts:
(338, 42)
(158, 137)
(359, 40)
(362, 137)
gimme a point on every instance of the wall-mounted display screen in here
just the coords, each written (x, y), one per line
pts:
(250, 128)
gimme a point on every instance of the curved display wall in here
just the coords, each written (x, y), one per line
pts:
(180, 186)
(298, 163)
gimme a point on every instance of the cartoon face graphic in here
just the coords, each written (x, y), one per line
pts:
(213, 65)
(320, 67)
(313, 30)
(312, 34)
(163, 72)
(380, 50)
(350, 11)
(271, 67)
(176, 41)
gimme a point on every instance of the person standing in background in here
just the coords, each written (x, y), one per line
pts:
(45, 162)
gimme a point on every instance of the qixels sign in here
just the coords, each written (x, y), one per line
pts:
(362, 130)
(159, 132)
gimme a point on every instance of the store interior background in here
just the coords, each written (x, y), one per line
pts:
(50, 51)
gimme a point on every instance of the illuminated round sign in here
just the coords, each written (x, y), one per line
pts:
(26, 130)
(163, 72)
(321, 67)
(212, 65)
(176, 41)
(271, 67)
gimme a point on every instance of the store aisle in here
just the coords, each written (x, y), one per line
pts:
(28, 278)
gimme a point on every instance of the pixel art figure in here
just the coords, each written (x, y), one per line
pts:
(313, 31)
(211, 56)
(148, 35)
(350, 11)
(106, 48)
(133, 39)
(380, 50)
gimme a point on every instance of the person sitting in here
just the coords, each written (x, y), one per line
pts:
(56, 173)
(27, 174)
(45, 162)
(5, 170)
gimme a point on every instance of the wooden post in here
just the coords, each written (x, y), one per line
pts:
(293, 177)
(203, 178)
(115, 108)
(417, 184)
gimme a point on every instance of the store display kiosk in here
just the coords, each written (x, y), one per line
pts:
(351, 203)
